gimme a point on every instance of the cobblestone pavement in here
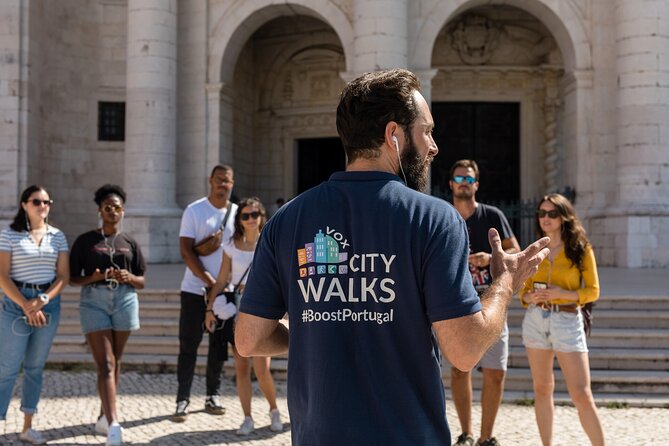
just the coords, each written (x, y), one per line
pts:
(69, 407)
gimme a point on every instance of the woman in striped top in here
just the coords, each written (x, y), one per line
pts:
(33, 270)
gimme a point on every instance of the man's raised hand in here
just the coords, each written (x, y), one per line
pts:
(521, 266)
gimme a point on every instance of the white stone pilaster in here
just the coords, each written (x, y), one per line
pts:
(380, 30)
(425, 77)
(14, 111)
(642, 27)
(152, 215)
(635, 224)
(192, 47)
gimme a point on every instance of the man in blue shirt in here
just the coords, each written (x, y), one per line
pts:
(373, 276)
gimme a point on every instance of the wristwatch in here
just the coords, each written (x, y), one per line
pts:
(44, 298)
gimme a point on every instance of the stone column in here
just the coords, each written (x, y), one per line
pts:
(640, 220)
(152, 215)
(380, 30)
(15, 106)
(551, 107)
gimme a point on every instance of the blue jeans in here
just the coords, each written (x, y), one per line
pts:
(22, 344)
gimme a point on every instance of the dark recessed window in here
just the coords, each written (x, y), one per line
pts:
(111, 121)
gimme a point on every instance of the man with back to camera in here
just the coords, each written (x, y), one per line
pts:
(479, 218)
(201, 219)
(368, 269)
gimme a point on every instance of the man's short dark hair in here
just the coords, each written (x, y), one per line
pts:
(217, 167)
(368, 103)
(466, 164)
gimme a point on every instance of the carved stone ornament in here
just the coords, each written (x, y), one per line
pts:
(475, 38)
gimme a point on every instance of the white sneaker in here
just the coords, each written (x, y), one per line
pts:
(275, 416)
(101, 426)
(246, 427)
(115, 435)
(32, 436)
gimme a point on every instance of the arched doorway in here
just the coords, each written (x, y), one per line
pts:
(278, 97)
(496, 98)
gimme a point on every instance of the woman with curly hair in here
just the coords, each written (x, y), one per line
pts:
(33, 272)
(553, 324)
(109, 266)
(237, 257)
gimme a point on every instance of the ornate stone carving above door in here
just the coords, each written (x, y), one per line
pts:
(490, 37)
(475, 38)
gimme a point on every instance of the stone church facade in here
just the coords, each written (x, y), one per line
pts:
(243, 82)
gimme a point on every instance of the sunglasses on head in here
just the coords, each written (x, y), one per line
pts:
(112, 208)
(541, 213)
(37, 202)
(246, 215)
(459, 179)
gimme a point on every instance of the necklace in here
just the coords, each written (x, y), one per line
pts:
(554, 251)
(111, 247)
(33, 233)
(255, 241)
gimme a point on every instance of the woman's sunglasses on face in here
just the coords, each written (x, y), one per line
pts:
(37, 202)
(459, 179)
(541, 213)
(109, 208)
(246, 215)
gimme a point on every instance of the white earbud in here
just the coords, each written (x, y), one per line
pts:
(397, 145)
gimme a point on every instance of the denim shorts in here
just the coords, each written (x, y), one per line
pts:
(101, 308)
(557, 331)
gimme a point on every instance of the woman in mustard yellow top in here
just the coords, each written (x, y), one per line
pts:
(553, 323)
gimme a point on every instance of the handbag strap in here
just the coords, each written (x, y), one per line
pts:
(243, 275)
(227, 215)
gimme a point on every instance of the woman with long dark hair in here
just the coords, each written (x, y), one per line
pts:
(553, 324)
(33, 271)
(109, 266)
(237, 257)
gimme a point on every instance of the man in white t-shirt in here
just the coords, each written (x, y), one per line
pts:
(201, 219)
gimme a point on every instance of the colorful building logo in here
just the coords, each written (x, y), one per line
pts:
(324, 251)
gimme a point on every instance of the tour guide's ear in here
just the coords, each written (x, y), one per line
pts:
(392, 134)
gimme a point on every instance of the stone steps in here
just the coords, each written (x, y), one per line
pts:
(629, 346)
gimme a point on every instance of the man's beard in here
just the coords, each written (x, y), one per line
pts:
(415, 167)
(463, 194)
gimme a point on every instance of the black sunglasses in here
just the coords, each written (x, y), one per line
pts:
(37, 202)
(541, 213)
(246, 215)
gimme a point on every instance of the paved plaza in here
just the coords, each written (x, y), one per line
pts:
(69, 407)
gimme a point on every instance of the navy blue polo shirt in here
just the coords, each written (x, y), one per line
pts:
(363, 265)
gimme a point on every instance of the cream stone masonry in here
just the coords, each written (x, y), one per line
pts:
(13, 53)
(150, 165)
(380, 28)
(244, 82)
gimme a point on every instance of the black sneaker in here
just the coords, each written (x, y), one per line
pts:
(212, 405)
(492, 441)
(180, 414)
(464, 440)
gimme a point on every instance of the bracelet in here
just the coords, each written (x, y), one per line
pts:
(209, 311)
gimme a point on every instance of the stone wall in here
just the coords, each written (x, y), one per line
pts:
(255, 76)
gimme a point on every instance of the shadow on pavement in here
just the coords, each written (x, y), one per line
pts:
(194, 438)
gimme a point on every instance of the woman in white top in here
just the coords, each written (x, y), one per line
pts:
(33, 271)
(237, 257)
